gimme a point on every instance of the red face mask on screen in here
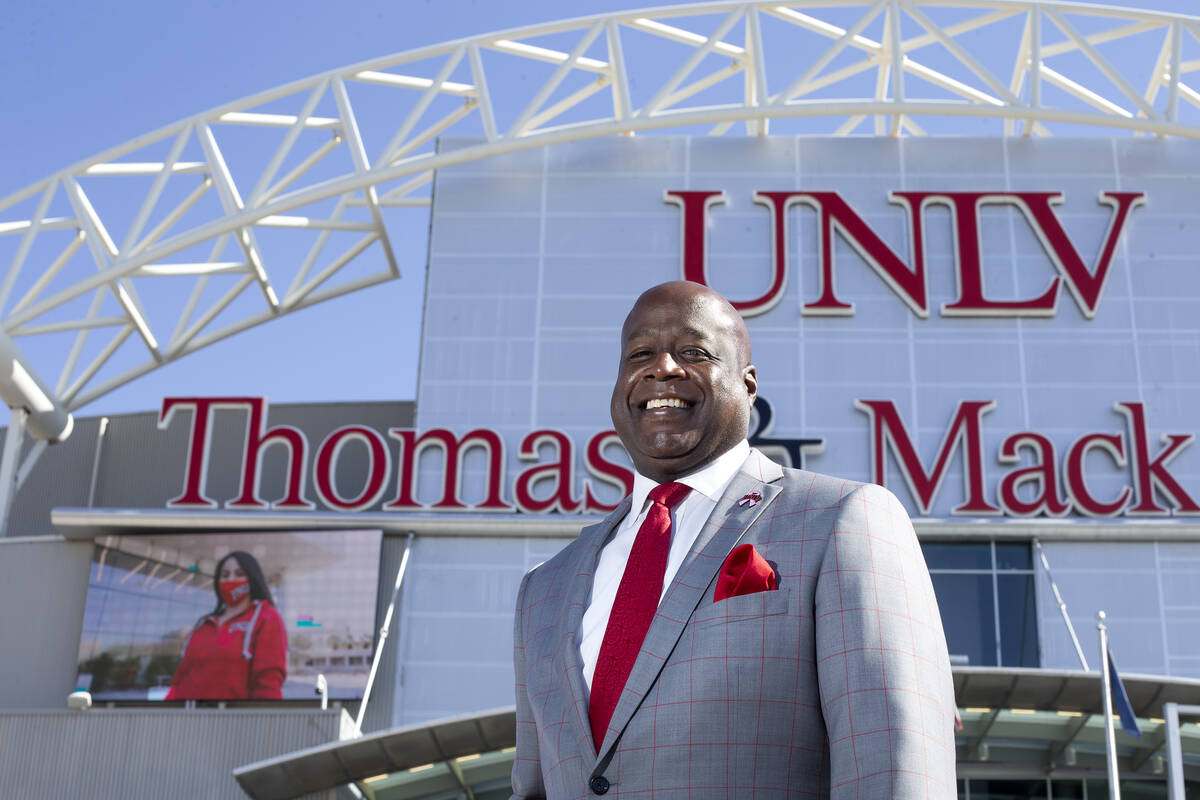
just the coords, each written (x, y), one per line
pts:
(233, 592)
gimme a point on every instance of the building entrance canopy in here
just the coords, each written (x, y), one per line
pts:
(1016, 723)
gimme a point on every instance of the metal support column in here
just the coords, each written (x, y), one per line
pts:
(9, 463)
(1171, 713)
(383, 634)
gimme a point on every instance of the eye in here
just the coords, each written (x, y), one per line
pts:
(693, 354)
(639, 355)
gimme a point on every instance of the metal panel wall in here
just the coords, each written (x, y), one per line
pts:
(61, 477)
(456, 624)
(125, 754)
(42, 588)
(1150, 591)
(536, 257)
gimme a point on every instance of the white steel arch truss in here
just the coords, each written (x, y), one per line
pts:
(297, 195)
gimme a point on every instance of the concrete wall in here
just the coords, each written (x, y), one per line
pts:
(43, 583)
(126, 754)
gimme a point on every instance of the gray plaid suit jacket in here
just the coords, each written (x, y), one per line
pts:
(835, 685)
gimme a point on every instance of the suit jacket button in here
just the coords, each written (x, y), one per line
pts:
(598, 784)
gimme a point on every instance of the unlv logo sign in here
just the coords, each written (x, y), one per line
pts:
(907, 279)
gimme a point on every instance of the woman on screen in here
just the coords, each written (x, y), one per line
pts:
(239, 651)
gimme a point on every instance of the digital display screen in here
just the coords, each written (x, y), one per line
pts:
(240, 616)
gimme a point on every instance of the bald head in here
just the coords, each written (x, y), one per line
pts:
(687, 296)
(685, 384)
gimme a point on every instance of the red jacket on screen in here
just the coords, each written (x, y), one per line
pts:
(243, 659)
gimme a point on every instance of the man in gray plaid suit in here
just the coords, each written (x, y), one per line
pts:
(733, 629)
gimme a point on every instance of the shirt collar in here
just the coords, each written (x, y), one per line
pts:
(246, 612)
(709, 481)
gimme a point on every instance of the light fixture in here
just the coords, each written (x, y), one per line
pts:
(323, 690)
(20, 388)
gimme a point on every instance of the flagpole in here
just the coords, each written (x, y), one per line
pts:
(1110, 739)
(1062, 604)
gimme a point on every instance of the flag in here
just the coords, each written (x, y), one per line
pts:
(1121, 700)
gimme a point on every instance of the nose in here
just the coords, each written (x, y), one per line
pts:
(663, 367)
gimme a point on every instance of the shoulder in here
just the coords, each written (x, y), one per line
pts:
(866, 512)
(590, 537)
(540, 576)
(552, 576)
(816, 490)
(268, 617)
(564, 557)
(846, 499)
(809, 489)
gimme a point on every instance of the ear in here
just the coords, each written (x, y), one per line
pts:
(750, 379)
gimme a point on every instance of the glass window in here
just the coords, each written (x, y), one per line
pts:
(1018, 620)
(954, 555)
(1134, 790)
(1144, 790)
(1008, 790)
(1067, 790)
(968, 617)
(1064, 789)
(1013, 555)
(985, 592)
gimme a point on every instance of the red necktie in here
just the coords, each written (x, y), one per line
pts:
(634, 607)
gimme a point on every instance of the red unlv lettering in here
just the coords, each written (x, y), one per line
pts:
(836, 218)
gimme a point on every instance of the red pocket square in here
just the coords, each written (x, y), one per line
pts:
(744, 572)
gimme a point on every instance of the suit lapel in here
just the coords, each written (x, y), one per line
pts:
(725, 526)
(583, 570)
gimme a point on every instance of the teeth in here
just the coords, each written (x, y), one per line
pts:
(665, 402)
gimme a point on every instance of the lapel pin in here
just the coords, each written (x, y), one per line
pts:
(750, 499)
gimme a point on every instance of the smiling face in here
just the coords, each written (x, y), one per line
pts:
(685, 385)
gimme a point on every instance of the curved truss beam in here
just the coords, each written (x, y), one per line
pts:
(219, 234)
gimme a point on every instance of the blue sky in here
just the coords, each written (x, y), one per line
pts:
(82, 77)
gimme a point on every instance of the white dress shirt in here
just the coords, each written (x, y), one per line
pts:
(707, 485)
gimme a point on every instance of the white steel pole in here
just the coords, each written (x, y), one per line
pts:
(1110, 738)
(1062, 605)
(1174, 752)
(10, 461)
(383, 634)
